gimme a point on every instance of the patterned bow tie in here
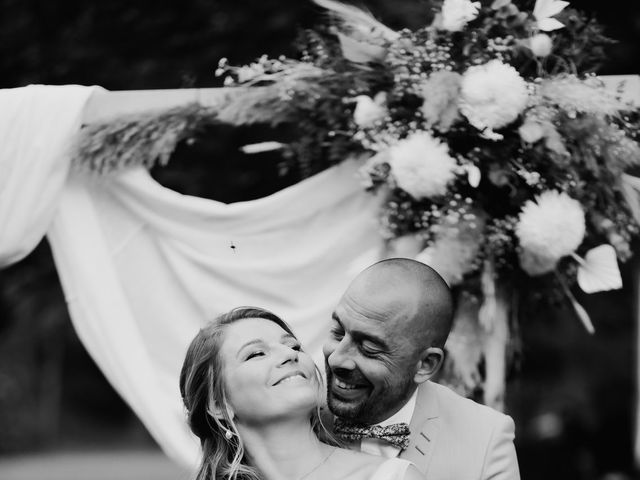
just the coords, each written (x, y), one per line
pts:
(396, 434)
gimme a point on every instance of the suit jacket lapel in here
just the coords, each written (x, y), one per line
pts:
(424, 428)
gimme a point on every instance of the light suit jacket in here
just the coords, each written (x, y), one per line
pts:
(454, 438)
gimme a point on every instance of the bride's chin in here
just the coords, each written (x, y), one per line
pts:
(308, 403)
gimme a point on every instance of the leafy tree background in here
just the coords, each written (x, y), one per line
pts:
(570, 394)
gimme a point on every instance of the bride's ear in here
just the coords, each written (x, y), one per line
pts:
(217, 411)
(429, 363)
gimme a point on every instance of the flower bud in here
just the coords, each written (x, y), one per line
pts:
(531, 131)
(541, 45)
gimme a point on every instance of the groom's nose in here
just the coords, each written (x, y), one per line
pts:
(340, 356)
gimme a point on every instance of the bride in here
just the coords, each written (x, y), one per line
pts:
(252, 397)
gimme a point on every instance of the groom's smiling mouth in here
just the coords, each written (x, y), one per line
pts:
(345, 390)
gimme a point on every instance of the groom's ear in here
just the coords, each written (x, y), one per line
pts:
(429, 363)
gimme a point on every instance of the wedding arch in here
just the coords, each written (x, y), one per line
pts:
(143, 267)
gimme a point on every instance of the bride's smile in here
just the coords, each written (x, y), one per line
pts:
(266, 372)
(292, 377)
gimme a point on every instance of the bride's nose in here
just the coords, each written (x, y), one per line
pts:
(288, 355)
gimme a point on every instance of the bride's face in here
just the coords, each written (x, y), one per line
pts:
(266, 373)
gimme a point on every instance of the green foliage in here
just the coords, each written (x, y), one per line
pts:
(257, 105)
(583, 42)
(139, 140)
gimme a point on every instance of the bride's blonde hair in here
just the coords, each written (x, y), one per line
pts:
(223, 454)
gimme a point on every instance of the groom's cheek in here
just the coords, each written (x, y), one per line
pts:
(328, 348)
(376, 373)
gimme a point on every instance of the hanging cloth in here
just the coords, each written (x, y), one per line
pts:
(37, 124)
(143, 267)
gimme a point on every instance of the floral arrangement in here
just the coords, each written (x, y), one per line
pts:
(501, 156)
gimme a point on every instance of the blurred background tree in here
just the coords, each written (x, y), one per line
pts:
(571, 394)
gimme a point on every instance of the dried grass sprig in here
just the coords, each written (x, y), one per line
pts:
(138, 140)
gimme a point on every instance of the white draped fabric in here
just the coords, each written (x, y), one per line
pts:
(36, 125)
(143, 267)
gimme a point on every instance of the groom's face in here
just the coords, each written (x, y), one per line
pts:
(370, 356)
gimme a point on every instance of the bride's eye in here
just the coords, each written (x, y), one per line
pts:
(254, 354)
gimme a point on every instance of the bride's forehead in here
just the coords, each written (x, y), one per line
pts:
(253, 328)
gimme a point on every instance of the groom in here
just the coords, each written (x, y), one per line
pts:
(386, 342)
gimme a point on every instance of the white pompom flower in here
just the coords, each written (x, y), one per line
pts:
(492, 95)
(370, 110)
(457, 13)
(422, 166)
(548, 229)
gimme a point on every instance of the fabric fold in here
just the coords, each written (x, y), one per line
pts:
(144, 267)
(37, 124)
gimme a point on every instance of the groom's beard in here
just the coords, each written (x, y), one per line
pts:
(368, 404)
(351, 409)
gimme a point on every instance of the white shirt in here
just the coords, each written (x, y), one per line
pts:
(377, 446)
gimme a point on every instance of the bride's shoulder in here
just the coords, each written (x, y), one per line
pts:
(356, 465)
(397, 469)
(359, 459)
(413, 473)
(363, 466)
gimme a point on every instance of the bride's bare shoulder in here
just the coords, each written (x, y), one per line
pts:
(357, 465)
(413, 473)
(363, 466)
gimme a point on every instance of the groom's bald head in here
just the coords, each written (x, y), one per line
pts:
(404, 284)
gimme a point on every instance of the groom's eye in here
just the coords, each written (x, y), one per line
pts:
(370, 348)
(337, 333)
